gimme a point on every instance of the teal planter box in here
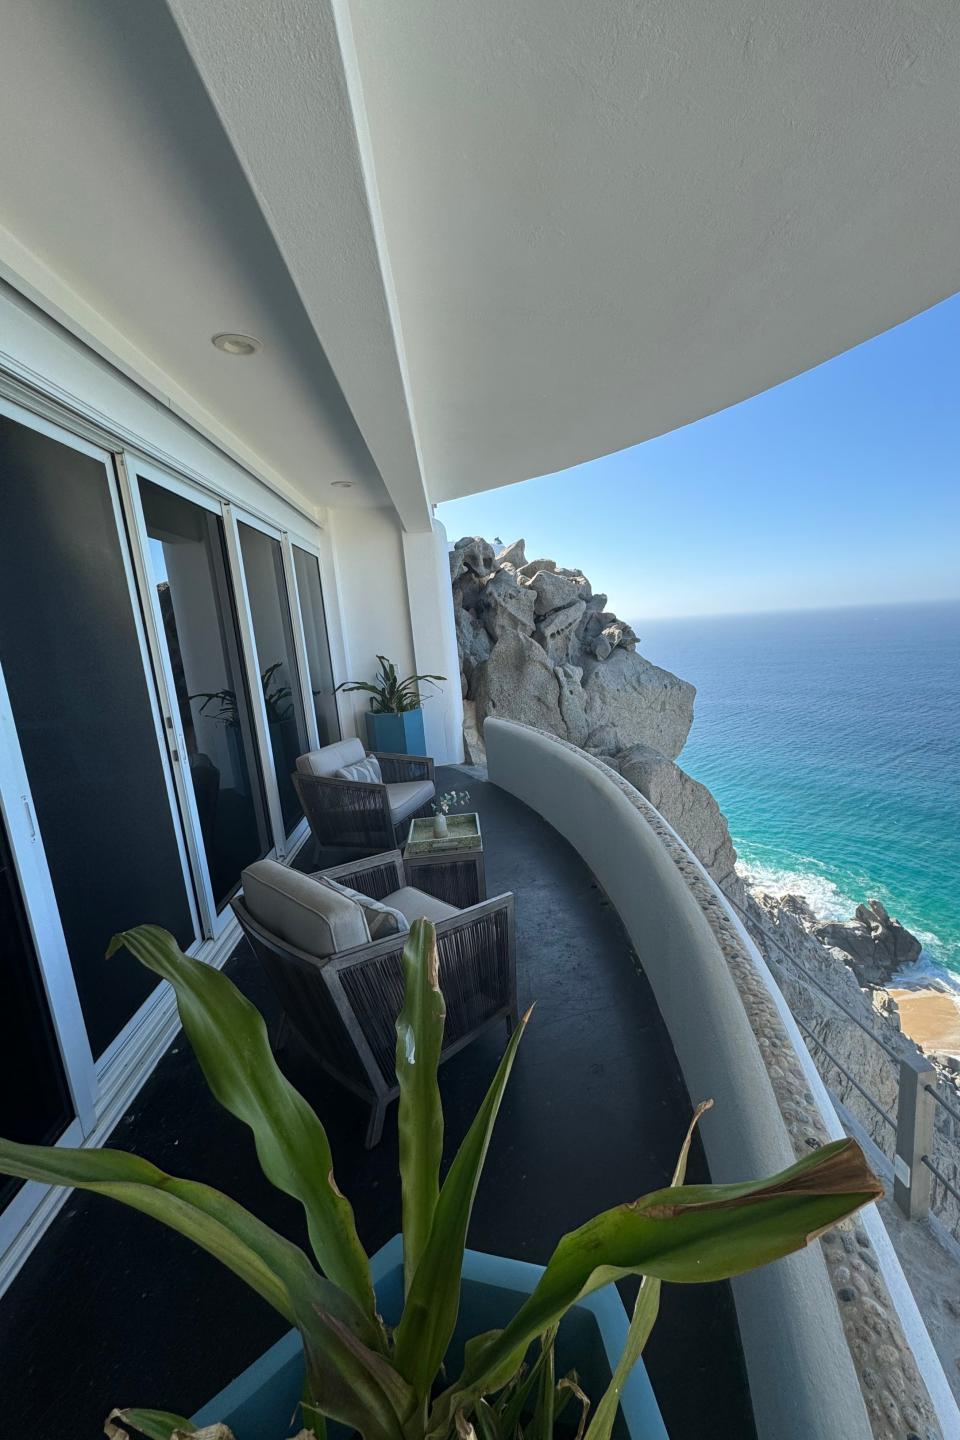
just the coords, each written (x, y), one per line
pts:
(258, 1405)
(396, 734)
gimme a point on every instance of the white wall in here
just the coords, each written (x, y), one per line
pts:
(372, 589)
(435, 640)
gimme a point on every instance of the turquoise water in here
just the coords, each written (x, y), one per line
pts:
(831, 740)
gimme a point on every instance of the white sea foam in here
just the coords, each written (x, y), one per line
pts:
(823, 895)
(828, 902)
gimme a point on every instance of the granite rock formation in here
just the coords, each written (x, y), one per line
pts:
(875, 946)
(537, 645)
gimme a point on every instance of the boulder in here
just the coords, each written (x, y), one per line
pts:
(618, 633)
(553, 592)
(473, 642)
(530, 567)
(557, 633)
(646, 705)
(686, 805)
(505, 605)
(456, 564)
(477, 553)
(873, 944)
(518, 682)
(513, 555)
(572, 704)
(474, 752)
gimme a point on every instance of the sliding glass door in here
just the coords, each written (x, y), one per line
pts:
(317, 645)
(35, 1104)
(72, 653)
(197, 620)
(268, 597)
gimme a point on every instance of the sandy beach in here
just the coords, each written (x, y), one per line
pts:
(930, 1017)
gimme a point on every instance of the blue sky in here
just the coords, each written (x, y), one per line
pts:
(839, 487)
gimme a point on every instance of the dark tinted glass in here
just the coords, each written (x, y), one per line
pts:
(318, 645)
(276, 659)
(188, 555)
(74, 669)
(34, 1103)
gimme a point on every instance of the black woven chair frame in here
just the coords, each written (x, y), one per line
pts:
(345, 1007)
(353, 817)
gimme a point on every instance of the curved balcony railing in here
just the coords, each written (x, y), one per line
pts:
(818, 1328)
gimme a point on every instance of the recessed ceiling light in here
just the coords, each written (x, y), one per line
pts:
(342, 484)
(236, 344)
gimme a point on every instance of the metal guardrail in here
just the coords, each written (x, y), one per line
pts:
(913, 1124)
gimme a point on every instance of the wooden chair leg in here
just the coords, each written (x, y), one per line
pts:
(375, 1124)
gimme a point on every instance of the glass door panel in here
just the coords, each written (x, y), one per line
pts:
(71, 652)
(199, 625)
(312, 612)
(276, 660)
(35, 1106)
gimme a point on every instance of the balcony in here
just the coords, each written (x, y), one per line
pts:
(595, 1113)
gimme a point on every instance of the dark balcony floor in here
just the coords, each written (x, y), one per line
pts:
(111, 1309)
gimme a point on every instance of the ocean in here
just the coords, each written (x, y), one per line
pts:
(831, 740)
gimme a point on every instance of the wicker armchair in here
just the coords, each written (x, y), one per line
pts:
(346, 1005)
(356, 818)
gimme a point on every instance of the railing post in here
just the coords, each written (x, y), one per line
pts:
(911, 1179)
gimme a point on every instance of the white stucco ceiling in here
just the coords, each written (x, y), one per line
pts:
(493, 240)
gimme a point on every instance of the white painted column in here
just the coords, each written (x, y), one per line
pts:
(435, 639)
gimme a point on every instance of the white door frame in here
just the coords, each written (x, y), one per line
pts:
(232, 515)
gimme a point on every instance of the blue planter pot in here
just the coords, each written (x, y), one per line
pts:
(258, 1405)
(396, 734)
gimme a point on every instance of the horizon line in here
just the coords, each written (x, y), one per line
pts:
(798, 609)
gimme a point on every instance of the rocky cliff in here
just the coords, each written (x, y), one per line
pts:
(538, 645)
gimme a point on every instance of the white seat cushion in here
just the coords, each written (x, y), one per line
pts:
(408, 795)
(417, 905)
(382, 920)
(307, 915)
(328, 760)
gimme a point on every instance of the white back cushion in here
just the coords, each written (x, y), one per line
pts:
(299, 910)
(328, 760)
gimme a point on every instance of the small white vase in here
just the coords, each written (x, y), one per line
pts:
(439, 826)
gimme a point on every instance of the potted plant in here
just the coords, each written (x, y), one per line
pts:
(393, 1352)
(395, 717)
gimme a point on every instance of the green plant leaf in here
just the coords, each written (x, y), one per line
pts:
(541, 1425)
(644, 1315)
(230, 1041)
(430, 1313)
(355, 1385)
(254, 1252)
(420, 1115)
(155, 1424)
(687, 1234)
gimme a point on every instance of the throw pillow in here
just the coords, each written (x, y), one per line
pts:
(382, 920)
(366, 770)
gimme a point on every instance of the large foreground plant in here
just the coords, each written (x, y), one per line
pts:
(385, 1384)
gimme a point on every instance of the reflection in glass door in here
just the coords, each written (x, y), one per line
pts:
(35, 1106)
(189, 564)
(71, 651)
(314, 618)
(276, 660)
